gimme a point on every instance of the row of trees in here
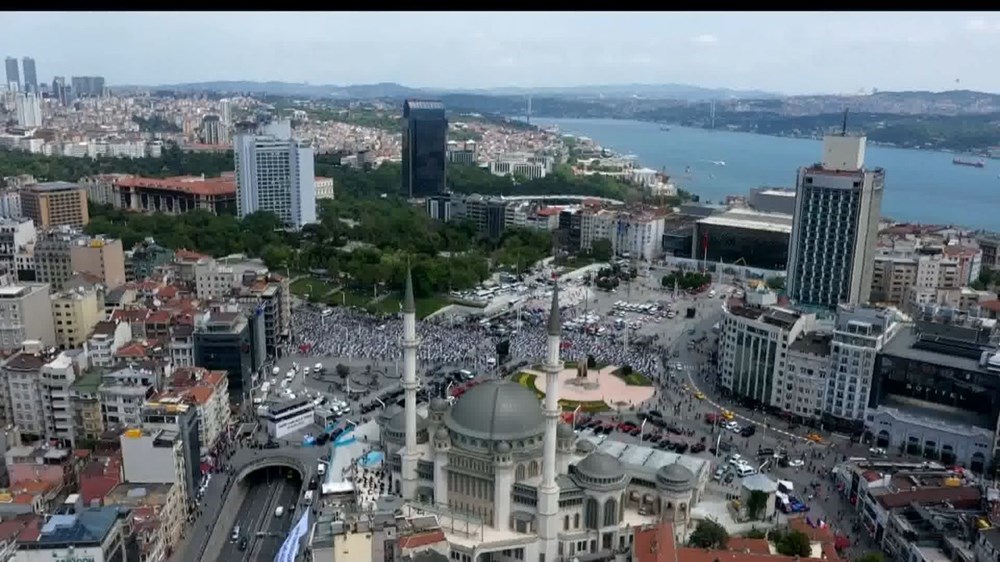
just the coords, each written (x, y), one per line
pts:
(686, 280)
(173, 162)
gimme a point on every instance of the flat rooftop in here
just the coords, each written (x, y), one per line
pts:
(53, 186)
(903, 346)
(751, 220)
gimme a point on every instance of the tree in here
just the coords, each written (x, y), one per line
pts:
(873, 556)
(709, 534)
(776, 283)
(794, 543)
(601, 250)
(755, 533)
(342, 370)
(756, 504)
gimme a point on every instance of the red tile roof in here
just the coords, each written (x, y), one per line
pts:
(205, 187)
(753, 546)
(655, 544)
(188, 255)
(421, 539)
(993, 305)
(871, 475)
(960, 498)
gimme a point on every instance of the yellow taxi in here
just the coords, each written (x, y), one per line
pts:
(815, 438)
(729, 416)
(685, 386)
(700, 395)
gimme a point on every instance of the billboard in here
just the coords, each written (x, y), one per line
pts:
(290, 548)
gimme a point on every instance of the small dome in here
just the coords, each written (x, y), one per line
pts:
(600, 466)
(439, 405)
(388, 413)
(585, 446)
(675, 477)
(564, 431)
(503, 448)
(397, 423)
(441, 434)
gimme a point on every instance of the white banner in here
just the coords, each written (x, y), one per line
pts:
(290, 548)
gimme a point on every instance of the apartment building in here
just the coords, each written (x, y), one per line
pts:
(74, 314)
(123, 392)
(106, 338)
(103, 189)
(25, 314)
(597, 224)
(522, 165)
(16, 234)
(56, 385)
(859, 335)
(85, 401)
(156, 516)
(154, 456)
(639, 235)
(104, 258)
(180, 344)
(208, 393)
(324, 188)
(231, 341)
(145, 258)
(55, 204)
(180, 419)
(753, 347)
(51, 257)
(803, 381)
(23, 400)
(270, 296)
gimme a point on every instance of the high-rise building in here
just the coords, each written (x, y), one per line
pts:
(275, 173)
(29, 110)
(90, 86)
(835, 227)
(61, 91)
(214, 130)
(425, 136)
(13, 76)
(30, 78)
(226, 111)
(55, 203)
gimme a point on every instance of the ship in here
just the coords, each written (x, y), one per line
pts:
(973, 163)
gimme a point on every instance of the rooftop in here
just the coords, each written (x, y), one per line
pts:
(813, 343)
(752, 220)
(193, 185)
(88, 527)
(52, 186)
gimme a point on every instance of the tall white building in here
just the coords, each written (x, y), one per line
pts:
(837, 207)
(226, 111)
(29, 110)
(275, 173)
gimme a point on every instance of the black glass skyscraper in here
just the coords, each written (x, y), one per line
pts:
(425, 135)
(30, 78)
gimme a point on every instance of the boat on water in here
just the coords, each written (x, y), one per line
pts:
(719, 162)
(972, 163)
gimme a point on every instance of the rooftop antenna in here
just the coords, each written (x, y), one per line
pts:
(843, 130)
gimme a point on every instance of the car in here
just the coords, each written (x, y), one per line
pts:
(679, 366)
(719, 473)
(879, 451)
(796, 463)
(272, 445)
(236, 533)
(749, 430)
(735, 427)
(728, 416)
(681, 448)
(634, 432)
(699, 395)
(279, 511)
(730, 425)
(815, 438)
(243, 544)
(765, 452)
(697, 447)
(729, 478)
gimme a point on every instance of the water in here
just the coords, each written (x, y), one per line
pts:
(921, 186)
(372, 459)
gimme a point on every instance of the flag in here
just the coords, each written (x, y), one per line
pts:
(290, 548)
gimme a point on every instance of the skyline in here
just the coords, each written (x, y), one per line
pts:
(783, 52)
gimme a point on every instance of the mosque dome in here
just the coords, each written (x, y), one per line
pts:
(565, 431)
(600, 467)
(675, 477)
(497, 410)
(439, 405)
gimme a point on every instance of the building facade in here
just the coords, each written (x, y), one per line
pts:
(55, 204)
(25, 314)
(425, 135)
(835, 226)
(275, 173)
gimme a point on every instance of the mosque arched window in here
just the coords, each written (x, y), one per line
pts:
(590, 513)
(610, 513)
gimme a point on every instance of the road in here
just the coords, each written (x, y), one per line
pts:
(267, 489)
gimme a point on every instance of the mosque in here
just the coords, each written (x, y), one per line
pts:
(509, 482)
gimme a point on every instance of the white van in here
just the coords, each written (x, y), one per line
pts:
(321, 469)
(236, 532)
(279, 511)
(745, 470)
(308, 499)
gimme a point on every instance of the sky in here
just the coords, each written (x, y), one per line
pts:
(790, 53)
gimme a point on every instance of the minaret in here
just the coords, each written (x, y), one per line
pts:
(548, 491)
(409, 454)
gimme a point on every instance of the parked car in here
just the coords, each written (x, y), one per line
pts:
(748, 430)
(697, 447)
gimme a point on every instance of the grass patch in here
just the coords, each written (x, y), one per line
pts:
(347, 298)
(527, 380)
(633, 378)
(425, 306)
(311, 286)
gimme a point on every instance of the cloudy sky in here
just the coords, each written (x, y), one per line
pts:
(783, 52)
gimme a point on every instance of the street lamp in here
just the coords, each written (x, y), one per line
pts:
(642, 428)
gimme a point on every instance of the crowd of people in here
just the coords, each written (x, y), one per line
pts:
(352, 334)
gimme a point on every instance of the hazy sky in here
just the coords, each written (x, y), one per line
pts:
(784, 52)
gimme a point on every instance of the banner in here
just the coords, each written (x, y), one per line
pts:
(290, 548)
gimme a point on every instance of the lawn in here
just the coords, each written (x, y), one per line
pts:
(347, 298)
(527, 380)
(633, 378)
(311, 285)
(425, 306)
